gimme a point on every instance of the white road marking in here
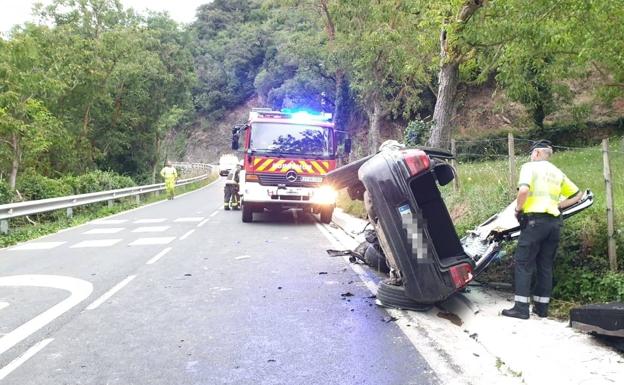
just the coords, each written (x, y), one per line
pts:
(187, 234)
(95, 243)
(150, 229)
(189, 219)
(36, 348)
(150, 220)
(95, 304)
(152, 241)
(215, 213)
(79, 290)
(36, 246)
(104, 230)
(108, 221)
(3, 305)
(243, 257)
(158, 256)
(203, 222)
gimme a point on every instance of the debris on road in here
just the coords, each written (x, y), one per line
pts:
(347, 294)
(388, 319)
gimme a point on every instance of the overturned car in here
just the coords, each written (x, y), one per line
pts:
(426, 259)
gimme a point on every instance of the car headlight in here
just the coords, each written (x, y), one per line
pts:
(325, 195)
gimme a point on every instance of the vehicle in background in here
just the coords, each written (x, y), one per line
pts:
(227, 162)
(427, 260)
(286, 157)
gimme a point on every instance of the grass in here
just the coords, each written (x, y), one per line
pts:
(22, 230)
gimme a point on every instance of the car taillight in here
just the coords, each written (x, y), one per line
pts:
(251, 178)
(461, 274)
(416, 161)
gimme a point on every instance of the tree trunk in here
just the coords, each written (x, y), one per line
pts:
(16, 160)
(374, 120)
(445, 106)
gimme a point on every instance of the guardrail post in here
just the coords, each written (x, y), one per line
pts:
(512, 163)
(611, 246)
(137, 199)
(110, 203)
(4, 226)
(70, 212)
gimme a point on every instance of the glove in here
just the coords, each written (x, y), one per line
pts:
(518, 215)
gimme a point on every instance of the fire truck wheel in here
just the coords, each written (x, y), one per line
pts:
(326, 214)
(247, 213)
(394, 296)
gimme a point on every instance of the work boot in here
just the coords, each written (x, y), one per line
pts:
(226, 207)
(541, 309)
(520, 310)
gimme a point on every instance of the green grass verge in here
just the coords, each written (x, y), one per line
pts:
(582, 268)
(22, 230)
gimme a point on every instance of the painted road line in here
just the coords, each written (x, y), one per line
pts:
(150, 229)
(187, 234)
(79, 290)
(108, 221)
(203, 222)
(3, 305)
(37, 246)
(242, 257)
(95, 243)
(95, 304)
(189, 219)
(105, 230)
(158, 256)
(149, 220)
(16, 363)
(152, 241)
(215, 213)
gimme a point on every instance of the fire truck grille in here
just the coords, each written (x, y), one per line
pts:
(275, 179)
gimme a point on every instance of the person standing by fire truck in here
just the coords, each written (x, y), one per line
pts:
(538, 210)
(231, 198)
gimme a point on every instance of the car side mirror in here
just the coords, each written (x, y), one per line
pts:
(347, 146)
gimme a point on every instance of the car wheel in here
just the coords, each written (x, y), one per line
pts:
(326, 214)
(394, 296)
(247, 214)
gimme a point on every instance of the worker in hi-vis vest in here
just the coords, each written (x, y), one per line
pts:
(170, 175)
(543, 191)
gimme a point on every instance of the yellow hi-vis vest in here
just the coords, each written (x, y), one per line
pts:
(169, 173)
(547, 184)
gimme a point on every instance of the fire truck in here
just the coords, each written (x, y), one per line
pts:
(286, 156)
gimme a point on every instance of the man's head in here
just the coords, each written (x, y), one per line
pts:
(541, 150)
(168, 163)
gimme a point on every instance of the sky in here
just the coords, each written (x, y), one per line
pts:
(14, 12)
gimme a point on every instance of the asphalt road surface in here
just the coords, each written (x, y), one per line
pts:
(182, 292)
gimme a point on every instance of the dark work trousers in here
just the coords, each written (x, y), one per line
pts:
(230, 191)
(536, 250)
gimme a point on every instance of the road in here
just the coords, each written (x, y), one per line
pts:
(182, 292)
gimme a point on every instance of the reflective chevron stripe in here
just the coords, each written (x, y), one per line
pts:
(301, 166)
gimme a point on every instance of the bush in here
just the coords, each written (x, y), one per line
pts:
(95, 181)
(6, 195)
(34, 186)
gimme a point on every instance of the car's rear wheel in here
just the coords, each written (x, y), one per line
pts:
(247, 213)
(326, 214)
(394, 296)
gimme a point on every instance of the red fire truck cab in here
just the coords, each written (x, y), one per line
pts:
(286, 157)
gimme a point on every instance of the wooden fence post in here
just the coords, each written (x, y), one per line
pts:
(456, 179)
(610, 214)
(512, 163)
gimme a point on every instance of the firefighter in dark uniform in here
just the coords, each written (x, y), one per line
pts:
(541, 187)
(231, 198)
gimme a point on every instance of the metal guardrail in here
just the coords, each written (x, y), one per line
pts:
(20, 209)
(202, 166)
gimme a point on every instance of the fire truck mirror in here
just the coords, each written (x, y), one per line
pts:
(234, 142)
(347, 146)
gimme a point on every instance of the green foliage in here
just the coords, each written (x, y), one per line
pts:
(34, 186)
(97, 181)
(6, 194)
(416, 133)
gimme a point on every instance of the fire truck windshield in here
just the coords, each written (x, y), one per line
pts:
(286, 138)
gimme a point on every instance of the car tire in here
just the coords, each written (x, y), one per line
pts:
(394, 296)
(326, 214)
(247, 214)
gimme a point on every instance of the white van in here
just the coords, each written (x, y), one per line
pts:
(227, 162)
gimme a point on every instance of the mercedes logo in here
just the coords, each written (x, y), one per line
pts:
(291, 176)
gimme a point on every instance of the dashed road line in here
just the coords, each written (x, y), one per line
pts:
(215, 213)
(187, 234)
(105, 230)
(3, 305)
(95, 304)
(95, 243)
(158, 256)
(36, 246)
(152, 241)
(150, 229)
(149, 220)
(189, 219)
(108, 221)
(16, 363)
(202, 223)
